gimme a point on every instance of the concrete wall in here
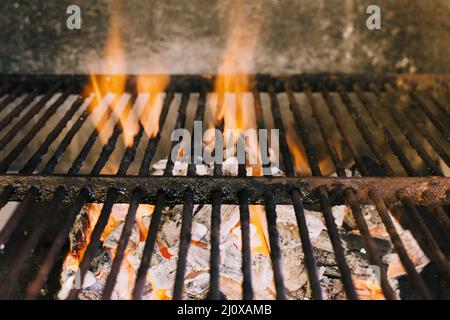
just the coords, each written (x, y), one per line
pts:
(188, 36)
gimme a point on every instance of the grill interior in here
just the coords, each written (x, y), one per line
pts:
(393, 130)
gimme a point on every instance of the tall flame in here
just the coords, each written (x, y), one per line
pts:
(235, 104)
(300, 162)
(235, 66)
(113, 79)
(153, 85)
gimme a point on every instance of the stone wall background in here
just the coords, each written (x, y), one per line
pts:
(188, 36)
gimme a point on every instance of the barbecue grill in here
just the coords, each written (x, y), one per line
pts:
(400, 153)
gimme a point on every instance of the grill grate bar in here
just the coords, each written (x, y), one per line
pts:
(153, 143)
(304, 132)
(188, 207)
(365, 133)
(417, 103)
(296, 197)
(4, 165)
(185, 240)
(199, 115)
(94, 242)
(270, 208)
(335, 239)
(17, 92)
(275, 252)
(436, 211)
(4, 88)
(244, 212)
(181, 119)
(323, 131)
(53, 162)
(423, 154)
(351, 196)
(310, 260)
(122, 245)
(6, 139)
(214, 265)
(216, 199)
(18, 109)
(130, 152)
(109, 147)
(432, 141)
(369, 244)
(34, 161)
(56, 247)
(149, 246)
(413, 275)
(246, 245)
(13, 222)
(435, 251)
(340, 123)
(396, 149)
(441, 107)
(333, 232)
(185, 228)
(443, 219)
(362, 225)
(7, 192)
(32, 241)
(79, 161)
(285, 153)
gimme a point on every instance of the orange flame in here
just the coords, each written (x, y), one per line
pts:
(256, 218)
(369, 289)
(300, 162)
(235, 67)
(235, 105)
(113, 70)
(153, 85)
(114, 80)
(232, 87)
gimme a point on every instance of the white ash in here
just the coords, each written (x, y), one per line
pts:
(161, 274)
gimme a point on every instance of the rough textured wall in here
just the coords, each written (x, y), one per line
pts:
(189, 36)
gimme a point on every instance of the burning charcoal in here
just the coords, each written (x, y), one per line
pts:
(74, 279)
(276, 172)
(414, 251)
(286, 214)
(203, 170)
(333, 289)
(264, 287)
(162, 276)
(230, 218)
(339, 214)
(198, 258)
(231, 289)
(202, 215)
(180, 168)
(230, 262)
(80, 232)
(160, 165)
(197, 286)
(230, 167)
(198, 231)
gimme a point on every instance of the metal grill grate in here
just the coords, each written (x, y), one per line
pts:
(364, 113)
